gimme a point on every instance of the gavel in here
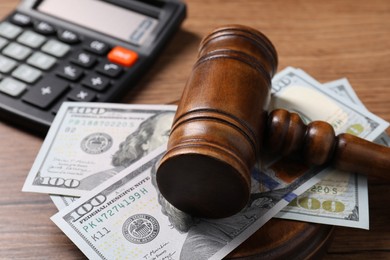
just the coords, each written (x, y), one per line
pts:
(222, 126)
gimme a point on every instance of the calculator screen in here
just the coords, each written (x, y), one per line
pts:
(102, 17)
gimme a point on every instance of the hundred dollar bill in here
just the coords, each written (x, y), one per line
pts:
(356, 183)
(89, 143)
(343, 88)
(340, 198)
(127, 218)
(296, 91)
(272, 189)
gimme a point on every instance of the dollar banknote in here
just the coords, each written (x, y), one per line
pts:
(99, 218)
(357, 215)
(295, 90)
(343, 89)
(338, 199)
(89, 143)
(63, 201)
(127, 218)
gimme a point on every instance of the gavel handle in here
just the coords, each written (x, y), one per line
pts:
(316, 143)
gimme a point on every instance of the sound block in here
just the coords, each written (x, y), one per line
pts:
(279, 239)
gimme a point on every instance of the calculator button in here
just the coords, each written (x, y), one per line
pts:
(7, 64)
(96, 81)
(83, 59)
(41, 60)
(70, 72)
(81, 94)
(21, 19)
(122, 56)
(44, 28)
(10, 31)
(17, 51)
(26, 73)
(31, 39)
(68, 36)
(97, 47)
(109, 69)
(55, 48)
(12, 86)
(46, 92)
(3, 42)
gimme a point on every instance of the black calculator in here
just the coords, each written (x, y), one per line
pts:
(53, 51)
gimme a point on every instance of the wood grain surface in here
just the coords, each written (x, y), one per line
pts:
(328, 39)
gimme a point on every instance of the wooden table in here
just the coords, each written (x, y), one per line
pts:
(328, 39)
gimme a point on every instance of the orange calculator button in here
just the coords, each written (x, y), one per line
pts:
(122, 56)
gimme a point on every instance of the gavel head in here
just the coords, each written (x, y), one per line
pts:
(216, 134)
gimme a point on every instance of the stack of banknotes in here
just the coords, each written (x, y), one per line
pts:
(98, 163)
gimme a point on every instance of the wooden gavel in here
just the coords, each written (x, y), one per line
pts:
(222, 126)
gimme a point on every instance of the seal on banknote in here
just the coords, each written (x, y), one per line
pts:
(140, 228)
(96, 143)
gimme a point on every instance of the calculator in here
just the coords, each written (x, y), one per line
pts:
(53, 51)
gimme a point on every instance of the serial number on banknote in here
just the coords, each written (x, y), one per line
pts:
(108, 123)
(86, 208)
